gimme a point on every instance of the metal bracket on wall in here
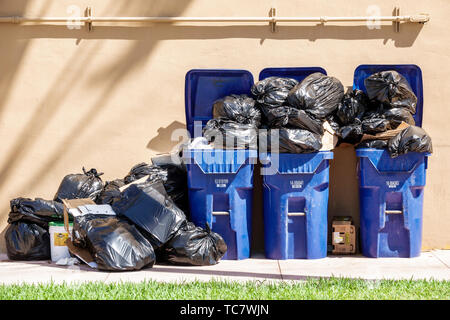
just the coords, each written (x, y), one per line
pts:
(273, 23)
(88, 22)
(396, 23)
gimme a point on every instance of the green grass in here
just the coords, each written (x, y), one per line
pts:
(334, 288)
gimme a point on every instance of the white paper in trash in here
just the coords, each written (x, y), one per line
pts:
(329, 138)
(104, 209)
(199, 143)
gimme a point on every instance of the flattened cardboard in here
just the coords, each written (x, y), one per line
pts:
(387, 134)
(329, 138)
(82, 253)
(143, 179)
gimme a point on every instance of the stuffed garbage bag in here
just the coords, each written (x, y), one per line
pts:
(173, 176)
(194, 246)
(351, 133)
(410, 139)
(114, 244)
(37, 211)
(374, 144)
(398, 115)
(391, 88)
(111, 192)
(289, 141)
(238, 108)
(141, 170)
(317, 94)
(275, 117)
(228, 134)
(27, 241)
(149, 207)
(273, 91)
(353, 105)
(285, 116)
(81, 185)
(375, 125)
(299, 119)
(176, 185)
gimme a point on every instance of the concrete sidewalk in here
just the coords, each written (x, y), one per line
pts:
(430, 265)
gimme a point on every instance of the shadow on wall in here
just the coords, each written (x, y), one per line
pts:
(12, 57)
(162, 31)
(137, 54)
(164, 140)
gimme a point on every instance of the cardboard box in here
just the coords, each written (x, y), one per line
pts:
(343, 236)
(82, 253)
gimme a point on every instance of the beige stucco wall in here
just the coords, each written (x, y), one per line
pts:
(109, 99)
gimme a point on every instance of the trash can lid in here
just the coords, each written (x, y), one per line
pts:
(411, 72)
(204, 86)
(297, 73)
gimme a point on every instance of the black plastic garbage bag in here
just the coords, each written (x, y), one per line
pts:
(273, 91)
(399, 115)
(375, 144)
(290, 141)
(114, 244)
(37, 211)
(175, 184)
(317, 94)
(227, 134)
(238, 108)
(353, 105)
(173, 176)
(352, 133)
(411, 139)
(333, 120)
(275, 117)
(391, 88)
(285, 116)
(375, 125)
(141, 170)
(80, 185)
(149, 207)
(110, 192)
(194, 246)
(302, 120)
(27, 241)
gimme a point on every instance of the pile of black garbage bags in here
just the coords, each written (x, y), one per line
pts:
(150, 224)
(389, 102)
(298, 111)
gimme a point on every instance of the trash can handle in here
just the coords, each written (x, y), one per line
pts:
(296, 214)
(221, 213)
(393, 211)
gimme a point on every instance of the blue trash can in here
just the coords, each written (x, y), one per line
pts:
(220, 182)
(391, 190)
(296, 196)
(296, 205)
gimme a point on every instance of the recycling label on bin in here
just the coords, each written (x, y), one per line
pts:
(296, 184)
(221, 183)
(392, 184)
